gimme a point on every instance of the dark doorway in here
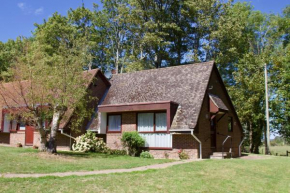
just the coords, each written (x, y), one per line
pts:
(213, 133)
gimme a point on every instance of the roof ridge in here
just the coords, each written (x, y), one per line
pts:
(162, 68)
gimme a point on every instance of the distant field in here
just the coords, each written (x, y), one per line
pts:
(280, 150)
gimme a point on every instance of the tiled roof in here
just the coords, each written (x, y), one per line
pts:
(15, 94)
(218, 102)
(183, 84)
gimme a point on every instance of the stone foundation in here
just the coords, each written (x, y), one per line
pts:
(114, 141)
(18, 137)
(173, 154)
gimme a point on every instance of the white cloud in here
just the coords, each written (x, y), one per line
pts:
(38, 11)
(21, 5)
(26, 9)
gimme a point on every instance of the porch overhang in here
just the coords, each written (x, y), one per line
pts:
(216, 105)
(146, 106)
(169, 106)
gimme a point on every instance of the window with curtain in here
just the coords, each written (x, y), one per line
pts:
(6, 124)
(114, 123)
(146, 122)
(152, 122)
(160, 122)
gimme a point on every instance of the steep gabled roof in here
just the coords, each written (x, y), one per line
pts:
(184, 84)
(14, 94)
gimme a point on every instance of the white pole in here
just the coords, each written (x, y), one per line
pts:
(267, 150)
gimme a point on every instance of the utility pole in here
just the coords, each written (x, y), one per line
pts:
(267, 150)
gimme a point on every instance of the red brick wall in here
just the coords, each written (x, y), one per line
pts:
(184, 141)
(222, 125)
(128, 125)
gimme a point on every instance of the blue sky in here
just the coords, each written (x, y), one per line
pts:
(17, 17)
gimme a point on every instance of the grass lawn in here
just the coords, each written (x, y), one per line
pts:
(27, 160)
(263, 175)
(281, 150)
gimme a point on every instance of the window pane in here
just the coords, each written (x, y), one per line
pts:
(230, 122)
(6, 128)
(160, 121)
(22, 126)
(114, 123)
(14, 125)
(145, 122)
(157, 140)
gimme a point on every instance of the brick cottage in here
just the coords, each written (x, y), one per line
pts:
(177, 108)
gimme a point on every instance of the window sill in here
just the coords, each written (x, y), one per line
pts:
(114, 131)
(152, 132)
(157, 148)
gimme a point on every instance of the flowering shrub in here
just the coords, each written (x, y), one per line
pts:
(146, 154)
(183, 155)
(88, 142)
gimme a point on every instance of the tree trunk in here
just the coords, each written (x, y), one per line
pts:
(57, 114)
(43, 140)
(267, 152)
(117, 61)
(43, 137)
(251, 137)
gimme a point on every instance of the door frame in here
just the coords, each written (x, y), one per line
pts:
(213, 133)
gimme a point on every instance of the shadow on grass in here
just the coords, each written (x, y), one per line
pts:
(88, 155)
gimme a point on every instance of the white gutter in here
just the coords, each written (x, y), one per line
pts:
(240, 153)
(200, 145)
(61, 131)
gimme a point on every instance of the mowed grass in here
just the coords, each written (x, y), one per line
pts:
(263, 175)
(27, 160)
(280, 150)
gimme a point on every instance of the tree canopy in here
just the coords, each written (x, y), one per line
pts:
(131, 35)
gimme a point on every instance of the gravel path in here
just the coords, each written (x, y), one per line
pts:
(85, 173)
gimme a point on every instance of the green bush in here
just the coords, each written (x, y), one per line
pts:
(115, 152)
(88, 142)
(132, 141)
(183, 155)
(146, 154)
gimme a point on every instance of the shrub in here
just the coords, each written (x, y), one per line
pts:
(183, 155)
(132, 141)
(88, 142)
(146, 154)
(115, 152)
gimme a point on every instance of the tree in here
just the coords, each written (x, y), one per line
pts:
(281, 78)
(64, 67)
(54, 83)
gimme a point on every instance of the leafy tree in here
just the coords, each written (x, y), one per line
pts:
(52, 66)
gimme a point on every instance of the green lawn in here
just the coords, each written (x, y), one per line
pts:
(281, 150)
(27, 160)
(264, 175)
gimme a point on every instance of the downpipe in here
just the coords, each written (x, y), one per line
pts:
(200, 145)
(240, 152)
